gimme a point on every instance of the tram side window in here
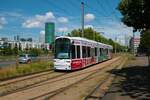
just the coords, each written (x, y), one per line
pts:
(107, 51)
(78, 51)
(104, 51)
(88, 51)
(92, 52)
(73, 52)
(84, 51)
(95, 51)
(111, 50)
(100, 50)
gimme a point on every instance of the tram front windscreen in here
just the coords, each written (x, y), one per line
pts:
(62, 48)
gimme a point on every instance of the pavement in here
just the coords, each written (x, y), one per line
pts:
(132, 82)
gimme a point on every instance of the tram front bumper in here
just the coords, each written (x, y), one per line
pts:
(62, 67)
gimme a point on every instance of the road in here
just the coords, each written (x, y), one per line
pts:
(7, 63)
(13, 62)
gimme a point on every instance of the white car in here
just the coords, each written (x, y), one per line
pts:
(24, 58)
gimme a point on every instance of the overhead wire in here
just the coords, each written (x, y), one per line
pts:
(58, 7)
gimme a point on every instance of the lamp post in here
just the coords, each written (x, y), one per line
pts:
(82, 22)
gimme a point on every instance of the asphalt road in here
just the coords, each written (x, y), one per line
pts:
(7, 63)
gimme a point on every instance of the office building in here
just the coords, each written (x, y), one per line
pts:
(49, 33)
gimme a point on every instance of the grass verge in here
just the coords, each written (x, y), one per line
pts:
(24, 69)
(7, 58)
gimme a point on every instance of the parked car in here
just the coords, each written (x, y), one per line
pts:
(26, 58)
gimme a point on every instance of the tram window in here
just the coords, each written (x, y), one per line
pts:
(107, 51)
(88, 51)
(92, 52)
(104, 51)
(78, 51)
(100, 50)
(95, 51)
(73, 52)
(62, 48)
(84, 51)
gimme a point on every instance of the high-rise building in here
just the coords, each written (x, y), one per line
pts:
(15, 38)
(49, 32)
(18, 38)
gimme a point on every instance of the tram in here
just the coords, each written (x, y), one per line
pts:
(72, 53)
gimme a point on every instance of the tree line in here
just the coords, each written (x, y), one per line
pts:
(89, 33)
(7, 50)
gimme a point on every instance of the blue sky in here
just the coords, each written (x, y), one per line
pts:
(27, 17)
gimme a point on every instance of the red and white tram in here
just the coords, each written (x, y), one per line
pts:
(72, 53)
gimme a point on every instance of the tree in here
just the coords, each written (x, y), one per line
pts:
(35, 51)
(136, 14)
(145, 43)
(15, 49)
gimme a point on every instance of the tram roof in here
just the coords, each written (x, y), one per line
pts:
(86, 40)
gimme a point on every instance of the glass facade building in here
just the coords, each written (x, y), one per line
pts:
(49, 32)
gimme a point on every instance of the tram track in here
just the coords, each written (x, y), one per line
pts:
(22, 76)
(59, 90)
(10, 84)
(26, 77)
(51, 94)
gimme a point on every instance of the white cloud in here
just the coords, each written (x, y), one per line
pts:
(42, 32)
(38, 21)
(63, 29)
(62, 20)
(2, 22)
(115, 29)
(89, 26)
(89, 17)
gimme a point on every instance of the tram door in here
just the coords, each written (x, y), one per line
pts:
(76, 57)
(83, 56)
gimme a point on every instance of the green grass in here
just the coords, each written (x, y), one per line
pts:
(131, 56)
(6, 58)
(23, 69)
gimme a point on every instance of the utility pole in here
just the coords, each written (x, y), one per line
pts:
(133, 42)
(82, 22)
(115, 44)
